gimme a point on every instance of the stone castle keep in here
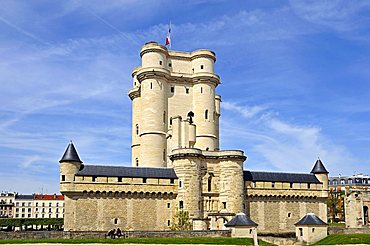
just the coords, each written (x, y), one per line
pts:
(177, 163)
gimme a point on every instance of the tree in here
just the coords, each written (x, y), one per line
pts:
(181, 221)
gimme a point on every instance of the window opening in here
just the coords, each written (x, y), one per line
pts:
(273, 184)
(201, 66)
(187, 90)
(169, 64)
(119, 179)
(144, 180)
(209, 184)
(137, 162)
(93, 179)
(201, 89)
(137, 129)
(172, 89)
(206, 114)
(168, 205)
(224, 204)
(160, 62)
(172, 181)
(181, 204)
(151, 85)
(63, 178)
(291, 185)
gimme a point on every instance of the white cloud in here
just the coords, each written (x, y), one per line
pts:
(245, 111)
(284, 146)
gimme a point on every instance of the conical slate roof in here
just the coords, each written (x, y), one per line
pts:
(319, 168)
(70, 154)
(241, 219)
(310, 219)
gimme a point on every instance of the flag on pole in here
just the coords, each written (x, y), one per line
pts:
(168, 37)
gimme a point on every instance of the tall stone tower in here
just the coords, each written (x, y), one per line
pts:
(173, 85)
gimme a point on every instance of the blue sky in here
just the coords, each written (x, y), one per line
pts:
(295, 81)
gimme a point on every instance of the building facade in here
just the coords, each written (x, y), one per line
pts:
(177, 162)
(6, 204)
(38, 206)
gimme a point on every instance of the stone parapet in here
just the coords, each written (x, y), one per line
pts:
(118, 187)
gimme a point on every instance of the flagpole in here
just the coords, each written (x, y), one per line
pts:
(170, 36)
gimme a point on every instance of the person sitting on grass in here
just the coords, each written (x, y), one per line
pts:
(112, 233)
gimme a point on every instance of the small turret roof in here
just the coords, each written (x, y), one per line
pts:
(240, 219)
(319, 168)
(70, 154)
(310, 219)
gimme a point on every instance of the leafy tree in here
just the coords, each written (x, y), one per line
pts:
(181, 221)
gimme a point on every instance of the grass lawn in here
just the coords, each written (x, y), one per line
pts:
(199, 240)
(345, 239)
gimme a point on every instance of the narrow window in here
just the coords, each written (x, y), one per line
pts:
(93, 179)
(169, 64)
(250, 231)
(119, 179)
(115, 221)
(180, 184)
(289, 214)
(301, 232)
(201, 66)
(63, 178)
(187, 90)
(206, 114)
(291, 185)
(308, 185)
(313, 229)
(181, 205)
(172, 89)
(192, 70)
(170, 121)
(137, 129)
(160, 62)
(224, 204)
(164, 155)
(201, 89)
(172, 181)
(164, 116)
(168, 222)
(168, 205)
(273, 184)
(144, 180)
(151, 85)
(209, 184)
(137, 162)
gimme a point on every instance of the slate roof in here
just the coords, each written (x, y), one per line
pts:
(24, 197)
(241, 219)
(281, 177)
(70, 154)
(310, 219)
(319, 168)
(131, 172)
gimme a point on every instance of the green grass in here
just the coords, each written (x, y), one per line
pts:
(345, 239)
(199, 240)
(337, 224)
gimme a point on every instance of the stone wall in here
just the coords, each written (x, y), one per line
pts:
(278, 215)
(105, 213)
(343, 230)
(98, 234)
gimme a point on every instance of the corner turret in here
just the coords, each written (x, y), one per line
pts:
(70, 164)
(321, 173)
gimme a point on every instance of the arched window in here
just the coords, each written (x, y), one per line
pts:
(137, 129)
(206, 114)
